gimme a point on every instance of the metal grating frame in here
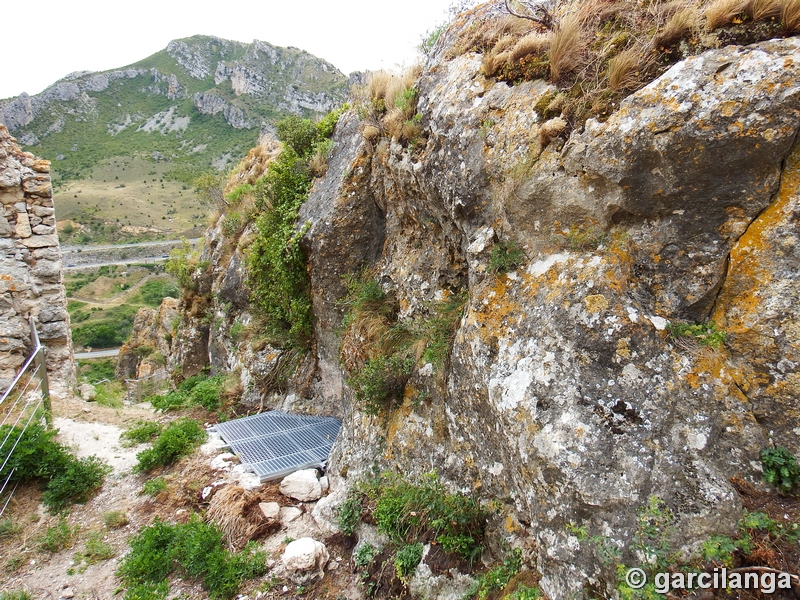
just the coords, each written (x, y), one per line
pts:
(274, 444)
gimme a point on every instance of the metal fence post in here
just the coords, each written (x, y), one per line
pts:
(39, 362)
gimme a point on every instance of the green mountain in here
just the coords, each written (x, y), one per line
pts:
(201, 102)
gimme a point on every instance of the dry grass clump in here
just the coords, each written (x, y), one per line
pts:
(550, 130)
(761, 10)
(790, 15)
(238, 515)
(679, 25)
(566, 47)
(625, 68)
(388, 104)
(722, 12)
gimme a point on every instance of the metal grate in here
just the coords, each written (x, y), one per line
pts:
(274, 444)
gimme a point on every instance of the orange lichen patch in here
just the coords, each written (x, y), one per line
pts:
(596, 303)
(749, 273)
(495, 315)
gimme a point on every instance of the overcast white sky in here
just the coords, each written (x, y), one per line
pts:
(46, 40)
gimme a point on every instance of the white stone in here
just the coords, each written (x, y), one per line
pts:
(302, 485)
(289, 514)
(306, 554)
(271, 510)
(323, 482)
(87, 392)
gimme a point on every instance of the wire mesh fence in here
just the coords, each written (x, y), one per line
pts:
(24, 403)
(139, 389)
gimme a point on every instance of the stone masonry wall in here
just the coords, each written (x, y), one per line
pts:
(30, 266)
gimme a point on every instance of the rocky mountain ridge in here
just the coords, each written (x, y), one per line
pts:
(196, 90)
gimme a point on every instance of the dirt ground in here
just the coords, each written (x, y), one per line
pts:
(91, 429)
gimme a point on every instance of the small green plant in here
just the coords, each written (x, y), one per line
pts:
(705, 334)
(148, 591)
(177, 440)
(349, 511)
(142, 432)
(97, 550)
(407, 559)
(585, 237)
(16, 595)
(238, 330)
(110, 393)
(115, 519)
(431, 37)
(719, 549)
(381, 382)
(506, 257)
(405, 511)
(498, 578)
(780, 468)
(523, 592)
(364, 555)
(58, 537)
(10, 528)
(153, 487)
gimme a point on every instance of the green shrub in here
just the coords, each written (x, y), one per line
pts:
(498, 578)
(506, 257)
(79, 480)
(523, 592)
(276, 265)
(177, 440)
(58, 537)
(381, 382)
(780, 468)
(407, 559)
(37, 456)
(348, 513)
(706, 334)
(148, 591)
(142, 432)
(153, 487)
(93, 371)
(155, 290)
(110, 393)
(298, 133)
(206, 393)
(174, 400)
(405, 511)
(198, 548)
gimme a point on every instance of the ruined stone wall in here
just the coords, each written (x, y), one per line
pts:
(30, 266)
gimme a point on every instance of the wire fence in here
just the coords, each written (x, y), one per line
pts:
(25, 402)
(139, 389)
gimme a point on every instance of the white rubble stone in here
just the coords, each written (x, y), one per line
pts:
(306, 554)
(302, 485)
(271, 510)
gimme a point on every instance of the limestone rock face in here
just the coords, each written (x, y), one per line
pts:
(563, 391)
(150, 342)
(30, 267)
